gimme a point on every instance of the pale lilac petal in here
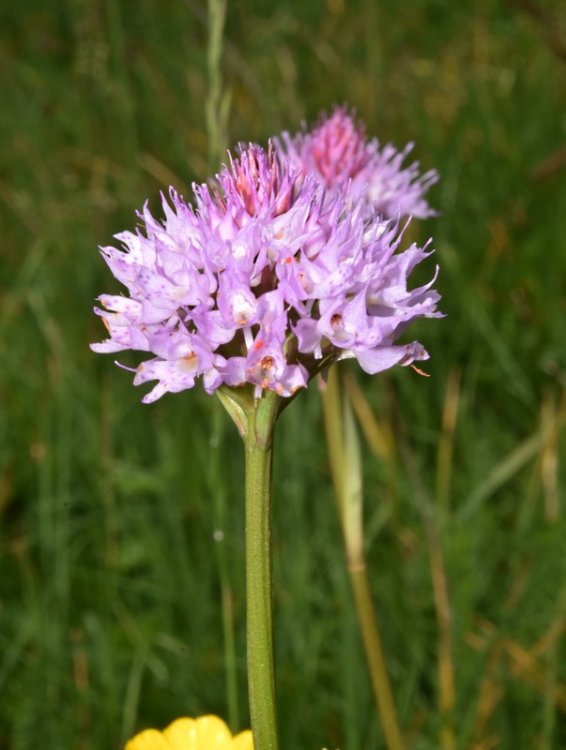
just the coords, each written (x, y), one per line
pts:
(173, 376)
(384, 357)
(308, 335)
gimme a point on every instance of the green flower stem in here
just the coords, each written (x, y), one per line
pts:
(261, 673)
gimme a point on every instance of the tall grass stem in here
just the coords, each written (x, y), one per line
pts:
(216, 102)
(216, 116)
(346, 469)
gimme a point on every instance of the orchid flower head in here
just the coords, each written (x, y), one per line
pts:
(263, 280)
(338, 151)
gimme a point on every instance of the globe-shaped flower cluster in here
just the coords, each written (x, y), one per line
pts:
(274, 271)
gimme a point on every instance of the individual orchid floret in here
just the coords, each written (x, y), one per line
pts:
(337, 150)
(263, 282)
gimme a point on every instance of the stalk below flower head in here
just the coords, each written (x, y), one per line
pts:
(267, 279)
(337, 150)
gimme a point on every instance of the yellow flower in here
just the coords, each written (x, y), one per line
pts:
(204, 733)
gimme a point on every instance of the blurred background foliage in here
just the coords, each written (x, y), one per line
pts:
(109, 569)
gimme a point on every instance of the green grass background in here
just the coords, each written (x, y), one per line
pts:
(110, 617)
